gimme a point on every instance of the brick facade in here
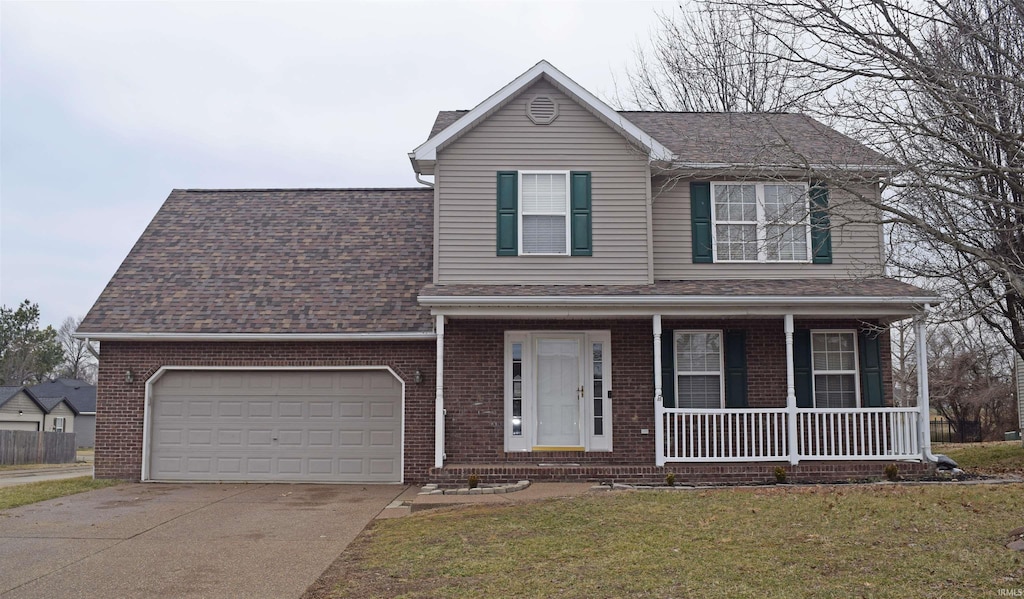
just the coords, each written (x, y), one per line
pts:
(119, 405)
(474, 396)
(474, 386)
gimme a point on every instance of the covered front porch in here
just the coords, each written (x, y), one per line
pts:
(793, 433)
(809, 388)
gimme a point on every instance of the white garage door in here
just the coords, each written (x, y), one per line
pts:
(309, 426)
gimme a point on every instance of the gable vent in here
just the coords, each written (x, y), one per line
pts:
(542, 110)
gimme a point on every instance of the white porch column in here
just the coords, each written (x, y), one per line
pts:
(439, 396)
(924, 415)
(659, 404)
(791, 434)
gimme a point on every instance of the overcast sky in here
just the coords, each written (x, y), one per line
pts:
(106, 107)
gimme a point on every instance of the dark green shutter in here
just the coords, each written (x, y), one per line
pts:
(668, 368)
(735, 369)
(871, 389)
(582, 223)
(821, 234)
(700, 221)
(802, 374)
(508, 219)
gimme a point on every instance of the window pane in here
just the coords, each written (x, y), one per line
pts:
(700, 392)
(784, 203)
(698, 352)
(544, 193)
(736, 242)
(835, 391)
(736, 202)
(787, 242)
(543, 234)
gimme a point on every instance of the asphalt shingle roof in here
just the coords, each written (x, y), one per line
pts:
(80, 394)
(7, 392)
(740, 138)
(275, 261)
(49, 403)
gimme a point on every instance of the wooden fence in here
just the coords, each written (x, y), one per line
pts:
(28, 447)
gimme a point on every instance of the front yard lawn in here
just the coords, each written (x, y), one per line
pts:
(19, 495)
(993, 458)
(841, 541)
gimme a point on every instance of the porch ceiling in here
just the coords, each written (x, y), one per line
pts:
(876, 298)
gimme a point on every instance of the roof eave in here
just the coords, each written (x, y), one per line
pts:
(256, 337)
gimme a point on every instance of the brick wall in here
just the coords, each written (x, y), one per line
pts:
(474, 382)
(119, 405)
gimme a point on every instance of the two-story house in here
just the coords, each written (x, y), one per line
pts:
(580, 294)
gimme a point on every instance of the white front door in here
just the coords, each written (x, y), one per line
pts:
(559, 391)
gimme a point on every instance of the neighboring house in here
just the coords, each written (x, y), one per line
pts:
(20, 410)
(60, 414)
(81, 397)
(583, 294)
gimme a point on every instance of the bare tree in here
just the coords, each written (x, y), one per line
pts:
(971, 381)
(718, 58)
(79, 361)
(939, 87)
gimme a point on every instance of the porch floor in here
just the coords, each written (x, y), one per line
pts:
(685, 474)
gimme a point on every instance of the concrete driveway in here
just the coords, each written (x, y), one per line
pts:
(182, 540)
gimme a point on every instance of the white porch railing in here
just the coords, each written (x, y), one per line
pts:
(762, 435)
(860, 434)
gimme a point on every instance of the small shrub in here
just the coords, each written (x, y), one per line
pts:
(670, 479)
(474, 481)
(892, 472)
(780, 475)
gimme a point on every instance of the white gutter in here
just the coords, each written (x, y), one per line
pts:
(663, 300)
(396, 336)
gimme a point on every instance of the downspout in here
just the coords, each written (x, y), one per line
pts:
(88, 347)
(924, 417)
(423, 181)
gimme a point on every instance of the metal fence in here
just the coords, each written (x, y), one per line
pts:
(944, 431)
(29, 447)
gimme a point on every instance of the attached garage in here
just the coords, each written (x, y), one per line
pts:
(278, 425)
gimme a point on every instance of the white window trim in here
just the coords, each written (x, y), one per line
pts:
(63, 423)
(761, 225)
(527, 441)
(721, 363)
(566, 213)
(856, 366)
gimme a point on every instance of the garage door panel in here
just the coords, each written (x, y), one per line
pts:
(339, 426)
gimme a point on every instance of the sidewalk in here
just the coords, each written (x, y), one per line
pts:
(21, 476)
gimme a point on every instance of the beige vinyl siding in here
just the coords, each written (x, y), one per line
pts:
(508, 141)
(61, 411)
(30, 411)
(856, 242)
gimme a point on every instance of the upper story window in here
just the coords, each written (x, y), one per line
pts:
(544, 217)
(544, 213)
(760, 222)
